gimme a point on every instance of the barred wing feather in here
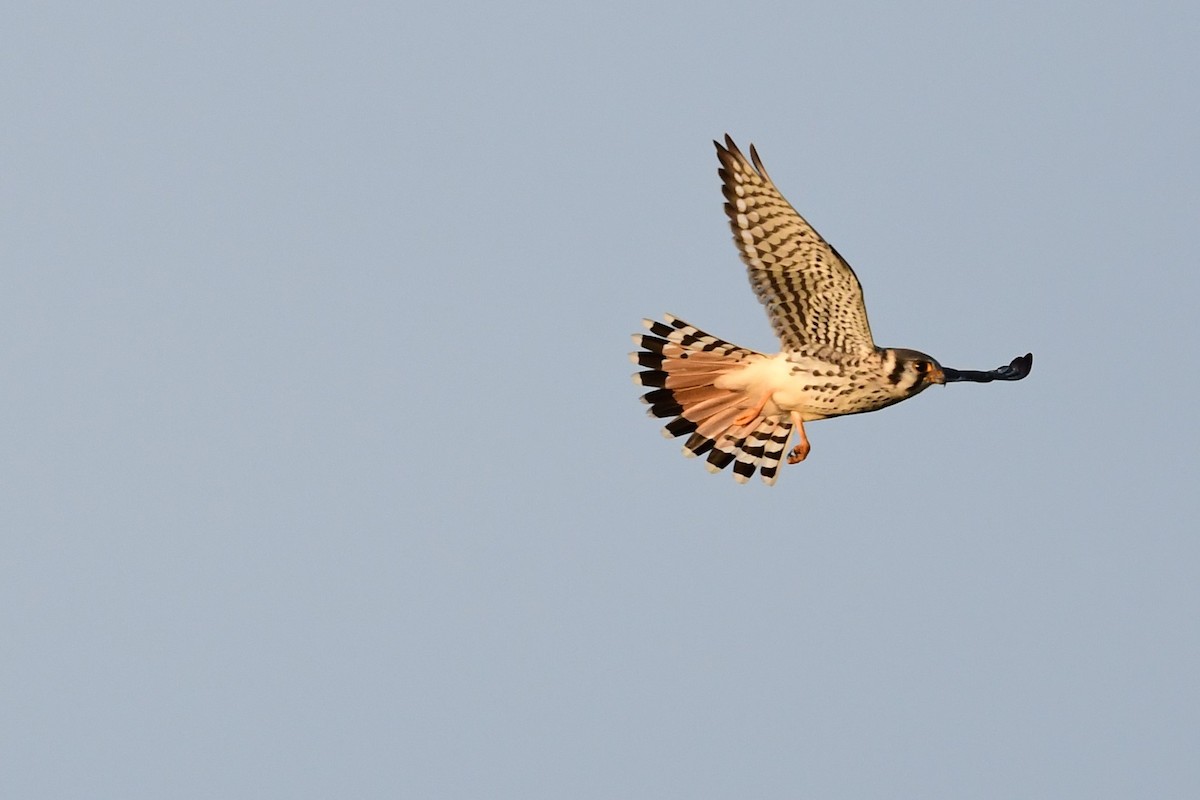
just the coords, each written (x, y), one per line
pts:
(812, 296)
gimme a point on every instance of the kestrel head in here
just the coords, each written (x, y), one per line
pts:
(915, 371)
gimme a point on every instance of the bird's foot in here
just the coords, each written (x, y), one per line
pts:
(799, 452)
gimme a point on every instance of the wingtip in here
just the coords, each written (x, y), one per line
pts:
(757, 162)
(728, 150)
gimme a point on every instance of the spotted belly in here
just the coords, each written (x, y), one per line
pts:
(813, 388)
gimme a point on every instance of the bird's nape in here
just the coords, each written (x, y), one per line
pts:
(1019, 368)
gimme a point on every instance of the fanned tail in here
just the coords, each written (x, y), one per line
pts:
(683, 364)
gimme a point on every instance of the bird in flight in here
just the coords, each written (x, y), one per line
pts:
(740, 406)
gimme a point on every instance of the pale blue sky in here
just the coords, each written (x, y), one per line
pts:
(323, 476)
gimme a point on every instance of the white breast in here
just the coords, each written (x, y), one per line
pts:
(787, 383)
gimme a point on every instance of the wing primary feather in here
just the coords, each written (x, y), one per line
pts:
(812, 296)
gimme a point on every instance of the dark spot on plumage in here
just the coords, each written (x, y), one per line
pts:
(652, 343)
(720, 459)
(659, 329)
(666, 410)
(680, 426)
(654, 378)
(650, 359)
(698, 444)
(683, 356)
(661, 397)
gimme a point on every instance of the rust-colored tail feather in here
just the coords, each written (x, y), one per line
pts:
(682, 365)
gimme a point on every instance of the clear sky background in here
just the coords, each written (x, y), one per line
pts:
(322, 473)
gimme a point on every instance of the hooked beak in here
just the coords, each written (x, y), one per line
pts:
(938, 375)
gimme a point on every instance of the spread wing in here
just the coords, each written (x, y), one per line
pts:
(811, 294)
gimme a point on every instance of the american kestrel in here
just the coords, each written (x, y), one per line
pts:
(740, 406)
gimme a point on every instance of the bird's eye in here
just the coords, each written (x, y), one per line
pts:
(922, 367)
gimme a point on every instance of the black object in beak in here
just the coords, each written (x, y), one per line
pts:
(1020, 367)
